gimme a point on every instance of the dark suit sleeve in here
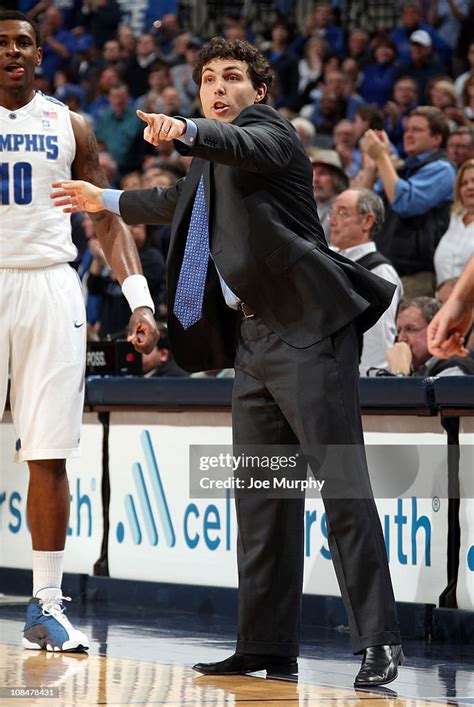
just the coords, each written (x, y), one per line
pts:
(260, 140)
(150, 206)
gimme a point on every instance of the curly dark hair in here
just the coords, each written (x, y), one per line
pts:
(8, 15)
(221, 48)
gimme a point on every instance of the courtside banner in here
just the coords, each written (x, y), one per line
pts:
(158, 532)
(85, 520)
(465, 587)
(415, 526)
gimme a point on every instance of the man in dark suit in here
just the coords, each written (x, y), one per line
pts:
(252, 284)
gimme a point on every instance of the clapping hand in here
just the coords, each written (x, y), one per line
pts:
(375, 143)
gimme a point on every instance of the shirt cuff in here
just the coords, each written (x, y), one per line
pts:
(110, 200)
(189, 137)
(401, 193)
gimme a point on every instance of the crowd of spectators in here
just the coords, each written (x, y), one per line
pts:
(381, 94)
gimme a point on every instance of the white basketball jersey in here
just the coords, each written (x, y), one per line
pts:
(37, 147)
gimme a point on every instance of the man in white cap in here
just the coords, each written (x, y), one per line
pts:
(423, 65)
(411, 19)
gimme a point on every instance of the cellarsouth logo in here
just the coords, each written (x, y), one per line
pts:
(407, 531)
(147, 509)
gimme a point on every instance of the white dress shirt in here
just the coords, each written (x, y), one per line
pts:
(454, 249)
(383, 334)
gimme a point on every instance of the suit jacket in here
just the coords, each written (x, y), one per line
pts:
(265, 239)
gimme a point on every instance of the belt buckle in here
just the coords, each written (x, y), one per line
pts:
(246, 311)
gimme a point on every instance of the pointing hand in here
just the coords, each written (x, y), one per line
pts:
(161, 127)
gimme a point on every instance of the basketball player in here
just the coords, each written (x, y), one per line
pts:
(42, 318)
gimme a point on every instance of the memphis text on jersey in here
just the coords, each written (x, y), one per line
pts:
(22, 171)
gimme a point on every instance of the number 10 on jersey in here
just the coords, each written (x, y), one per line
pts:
(15, 183)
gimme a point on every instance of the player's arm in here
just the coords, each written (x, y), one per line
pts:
(151, 206)
(117, 242)
(448, 327)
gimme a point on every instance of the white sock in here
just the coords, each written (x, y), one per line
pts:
(47, 572)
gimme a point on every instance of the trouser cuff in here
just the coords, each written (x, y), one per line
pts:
(286, 650)
(384, 638)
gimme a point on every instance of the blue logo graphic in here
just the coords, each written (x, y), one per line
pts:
(144, 502)
(470, 558)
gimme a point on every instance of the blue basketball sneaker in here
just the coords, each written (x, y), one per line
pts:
(48, 628)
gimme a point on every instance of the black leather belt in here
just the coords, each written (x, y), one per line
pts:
(247, 311)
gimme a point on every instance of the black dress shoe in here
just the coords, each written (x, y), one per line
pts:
(243, 663)
(379, 665)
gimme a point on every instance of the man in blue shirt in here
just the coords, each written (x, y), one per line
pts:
(120, 130)
(417, 197)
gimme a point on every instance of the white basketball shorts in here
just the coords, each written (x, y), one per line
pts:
(43, 348)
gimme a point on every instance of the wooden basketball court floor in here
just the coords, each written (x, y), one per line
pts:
(142, 659)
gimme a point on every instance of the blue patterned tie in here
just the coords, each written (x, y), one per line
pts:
(192, 277)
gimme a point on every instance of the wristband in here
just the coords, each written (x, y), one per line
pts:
(136, 292)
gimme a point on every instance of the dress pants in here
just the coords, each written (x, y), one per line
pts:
(307, 397)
